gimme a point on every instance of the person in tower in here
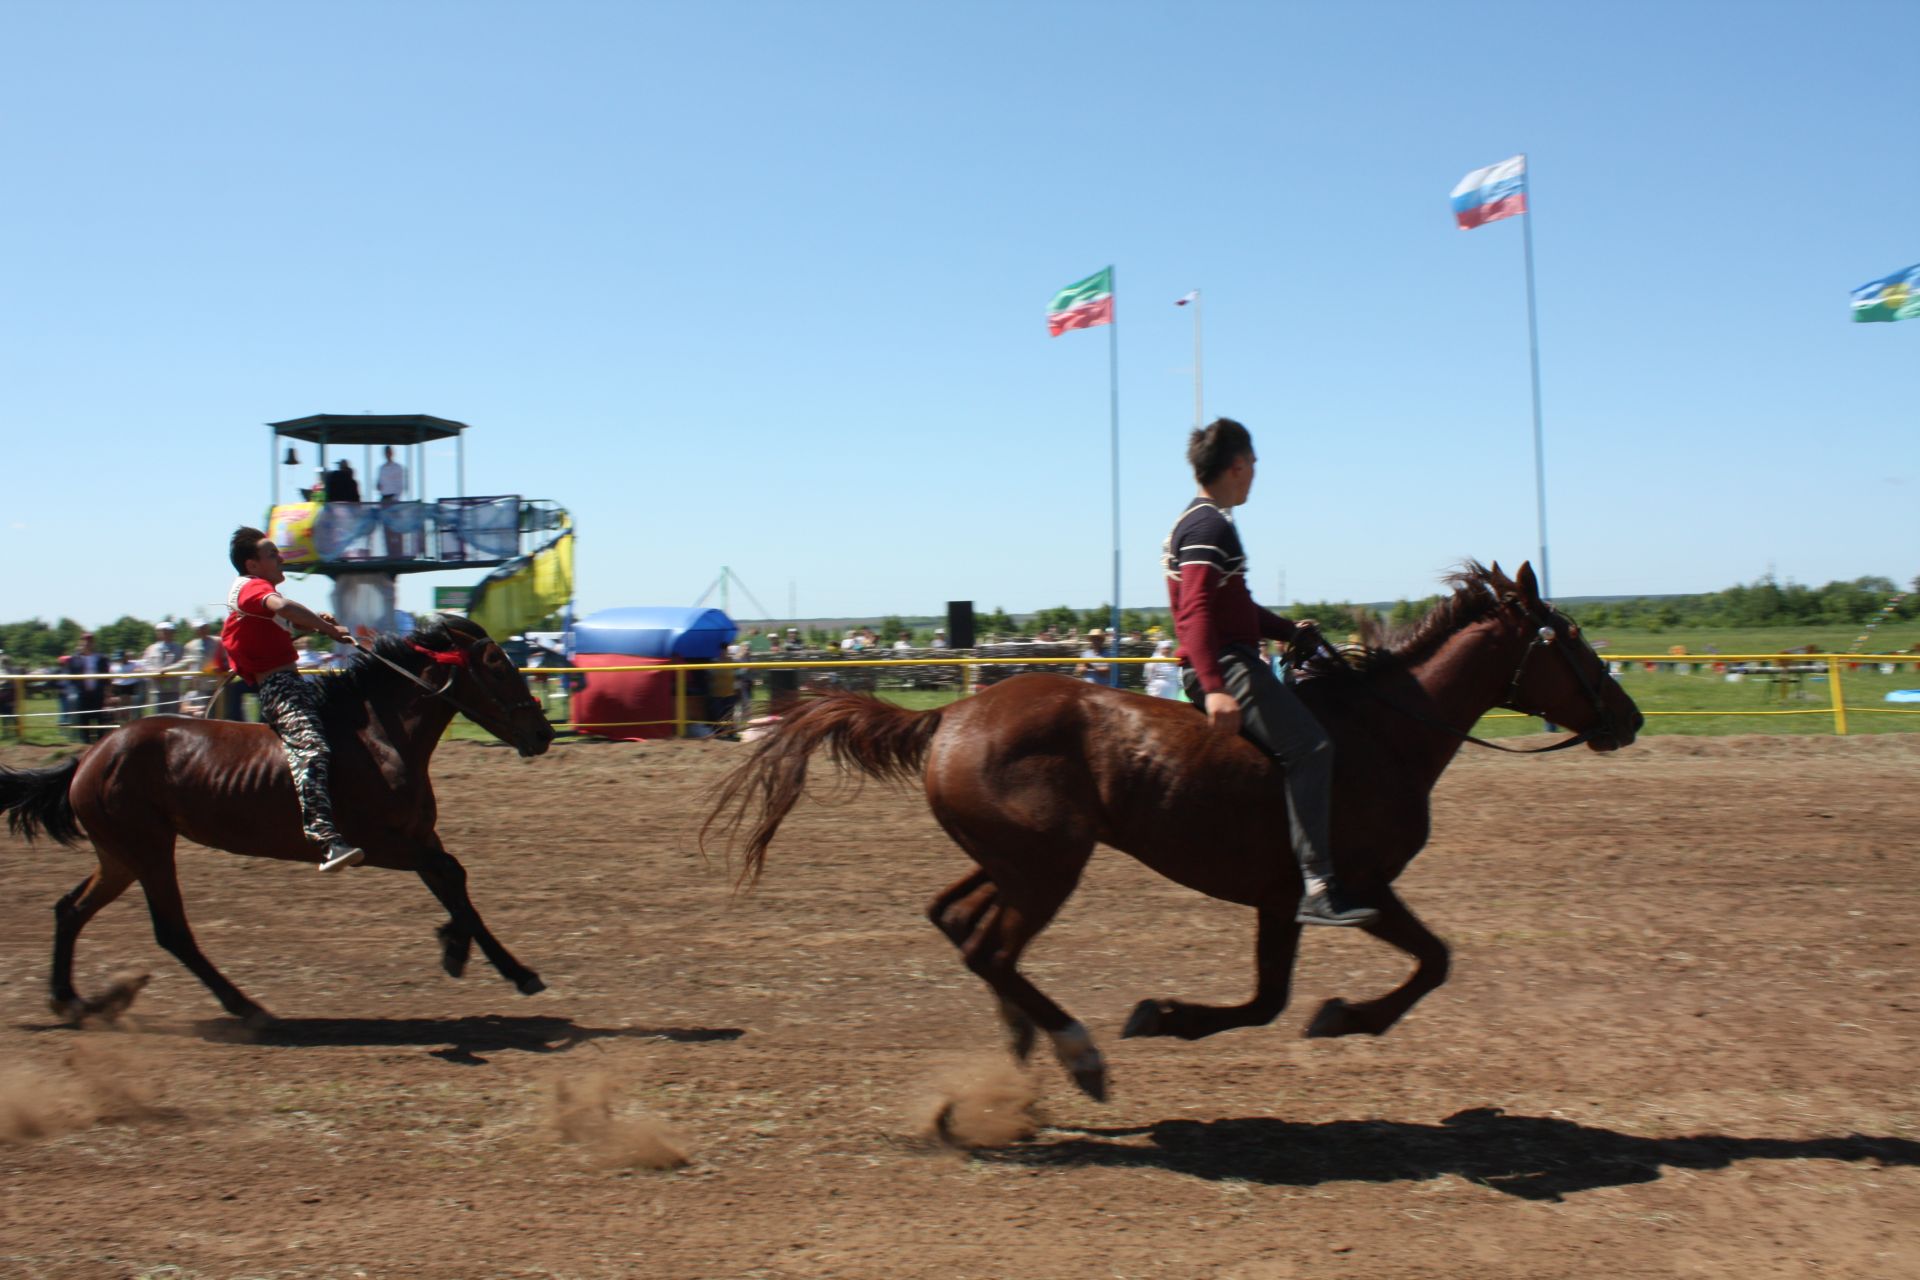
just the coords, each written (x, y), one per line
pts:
(1219, 628)
(258, 637)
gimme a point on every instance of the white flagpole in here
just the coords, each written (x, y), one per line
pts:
(1192, 296)
(1199, 402)
(1113, 392)
(1533, 349)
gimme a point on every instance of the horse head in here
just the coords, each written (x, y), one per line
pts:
(1558, 676)
(485, 686)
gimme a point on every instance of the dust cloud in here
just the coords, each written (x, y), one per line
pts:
(988, 1103)
(94, 1084)
(581, 1113)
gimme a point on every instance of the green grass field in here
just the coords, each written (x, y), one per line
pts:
(1892, 638)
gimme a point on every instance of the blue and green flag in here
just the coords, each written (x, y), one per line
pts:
(1897, 297)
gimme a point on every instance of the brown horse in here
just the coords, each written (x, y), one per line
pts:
(1027, 776)
(227, 786)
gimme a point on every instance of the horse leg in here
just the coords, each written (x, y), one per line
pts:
(70, 916)
(992, 952)
(447, 879)
(1397, 927)
(161, 882)
(957, 912)
(1278, 942)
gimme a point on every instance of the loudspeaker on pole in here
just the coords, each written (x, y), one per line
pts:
(960, 624)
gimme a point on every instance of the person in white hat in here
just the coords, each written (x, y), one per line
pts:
(163, 660)
(1093, 672)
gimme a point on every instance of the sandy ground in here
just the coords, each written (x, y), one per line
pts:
(1680, 1039)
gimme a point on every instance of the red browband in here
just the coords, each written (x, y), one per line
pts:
(458, 658)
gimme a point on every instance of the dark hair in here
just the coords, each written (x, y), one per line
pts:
(245, 547)
(1213, 448)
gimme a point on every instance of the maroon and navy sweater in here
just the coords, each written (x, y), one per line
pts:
(1206, 572)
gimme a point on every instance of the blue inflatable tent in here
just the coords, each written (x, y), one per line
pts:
(642, 704)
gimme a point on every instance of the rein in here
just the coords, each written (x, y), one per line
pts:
(1543, 638)
(454, 659)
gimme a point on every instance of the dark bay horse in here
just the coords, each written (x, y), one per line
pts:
(226, 786)
(1027, 776)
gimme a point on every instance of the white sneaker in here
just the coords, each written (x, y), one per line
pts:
(342, 854)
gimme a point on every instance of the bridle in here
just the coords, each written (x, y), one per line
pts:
(455, 660)
(1547, 636)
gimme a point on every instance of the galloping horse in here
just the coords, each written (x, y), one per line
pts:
(1027, 776)
(227, 786)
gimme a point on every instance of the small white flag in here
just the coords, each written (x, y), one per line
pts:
(1192, 296)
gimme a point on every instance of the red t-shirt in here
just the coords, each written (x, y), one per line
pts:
(256, 640)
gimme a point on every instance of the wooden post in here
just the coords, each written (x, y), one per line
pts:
(680, 703)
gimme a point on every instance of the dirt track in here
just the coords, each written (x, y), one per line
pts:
(1680, 1039)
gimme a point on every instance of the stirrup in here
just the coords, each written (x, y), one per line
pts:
(342, 854)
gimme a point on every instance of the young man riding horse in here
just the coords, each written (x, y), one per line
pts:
(259, 639)
(1220, 629)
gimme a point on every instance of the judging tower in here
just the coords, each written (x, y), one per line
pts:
(364, 539)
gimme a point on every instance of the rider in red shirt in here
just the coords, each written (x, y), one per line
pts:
(258, 637)
(1220, 629)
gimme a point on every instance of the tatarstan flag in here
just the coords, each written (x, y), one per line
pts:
(1897, 297)
(1082, 304)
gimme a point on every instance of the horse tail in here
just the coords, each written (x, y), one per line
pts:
(36, 801)
(859, 730)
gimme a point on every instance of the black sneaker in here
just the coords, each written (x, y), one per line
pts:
(341, 854)
(1329, 905)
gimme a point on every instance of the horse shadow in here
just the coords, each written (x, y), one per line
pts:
(1530, 1157)
(464, 1040)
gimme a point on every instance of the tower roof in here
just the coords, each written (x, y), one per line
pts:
(368, 428)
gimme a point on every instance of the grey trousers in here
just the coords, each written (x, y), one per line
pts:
(1275, 720)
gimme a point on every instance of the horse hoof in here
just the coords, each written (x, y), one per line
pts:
(530, 985)
(1093, 1083)
(1337, 1018)
(1146, 1020)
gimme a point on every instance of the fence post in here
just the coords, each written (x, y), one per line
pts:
(1839, 700)
(680, 703)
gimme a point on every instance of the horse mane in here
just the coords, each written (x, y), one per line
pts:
(363, 678)
(1477, 593)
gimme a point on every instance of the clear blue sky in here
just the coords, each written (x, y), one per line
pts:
(763, 285)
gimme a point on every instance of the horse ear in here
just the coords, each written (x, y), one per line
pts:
(1528, 584)
(1499, 581)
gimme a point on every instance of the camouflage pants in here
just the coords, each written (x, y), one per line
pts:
(290, 705)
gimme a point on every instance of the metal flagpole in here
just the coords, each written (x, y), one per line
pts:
(1533, 346)
(1199, 412)
(1113, 386)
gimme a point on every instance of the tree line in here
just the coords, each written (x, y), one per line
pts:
(1765, 603)
(36, 643)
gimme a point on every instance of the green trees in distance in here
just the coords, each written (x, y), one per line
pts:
(35, 644)
(1766, 603)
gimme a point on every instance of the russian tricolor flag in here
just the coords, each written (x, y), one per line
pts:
(1490, 194)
